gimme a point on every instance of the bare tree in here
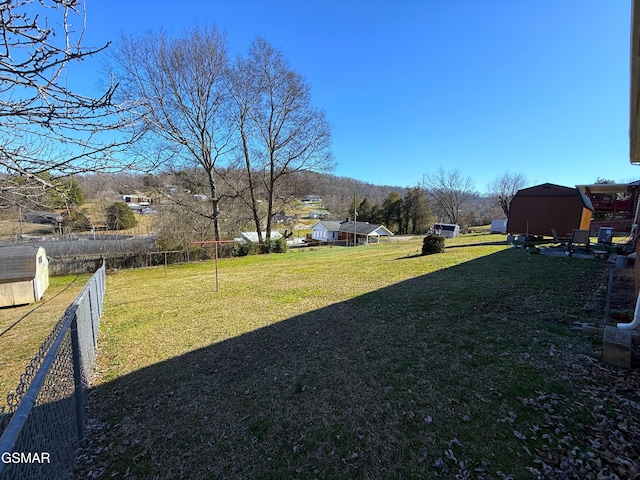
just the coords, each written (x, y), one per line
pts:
(504, 188)
(48, 131)
(449, 193)
(280, 130)
(245, 96)
(177, 87)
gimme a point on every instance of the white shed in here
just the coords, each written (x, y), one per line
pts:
(253, 236)
(24, 274)
(447, 230)
(499, 225)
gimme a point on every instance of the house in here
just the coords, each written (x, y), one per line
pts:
(253, 236)
(24, 274)
(346, 231)
(326, 231)
(318, 214)
(136, 199)
(279, 218)
(447, 230)
(539, 209)
(43, 217)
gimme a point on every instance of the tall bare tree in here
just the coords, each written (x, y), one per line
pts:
(177, 88)
(281, 131)
(504, 188)
(449, 193)
(244, 92)
(47, 130)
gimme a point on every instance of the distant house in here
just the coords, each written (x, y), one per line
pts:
(278, 218)
(141, 209)
(346, 231)
(138, 203)
(253, 236)
(136, 199)
(312, 198)
(24, 274)
(539, 209)
(318, 214)
(43, 217)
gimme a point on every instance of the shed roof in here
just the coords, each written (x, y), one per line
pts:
(253, 236)
(18, 262)
(553, 190)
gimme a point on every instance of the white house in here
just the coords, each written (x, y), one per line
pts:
(334, 230)
(318, 214)
(326, 231)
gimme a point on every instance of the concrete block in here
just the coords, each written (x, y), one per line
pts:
(616, 347)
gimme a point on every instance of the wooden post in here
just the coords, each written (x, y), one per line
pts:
(217, 285)
(215, 243)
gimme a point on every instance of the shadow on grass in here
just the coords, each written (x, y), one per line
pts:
(404, 382)
(480, 244)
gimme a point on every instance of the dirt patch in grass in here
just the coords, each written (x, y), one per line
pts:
(458, 365)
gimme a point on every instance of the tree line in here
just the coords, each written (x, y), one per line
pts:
(238, 135)
(237, 125)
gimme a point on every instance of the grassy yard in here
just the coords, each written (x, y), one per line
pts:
(24, 328)
(369, 362)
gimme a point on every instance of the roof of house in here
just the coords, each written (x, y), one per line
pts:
(361, 228)
(329, 225)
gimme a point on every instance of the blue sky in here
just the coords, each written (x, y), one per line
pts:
(539, 87)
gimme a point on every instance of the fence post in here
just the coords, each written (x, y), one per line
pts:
(77, 376)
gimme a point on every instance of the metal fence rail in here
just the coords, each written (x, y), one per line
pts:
(44, 423)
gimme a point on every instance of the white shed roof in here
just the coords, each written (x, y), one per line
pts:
(253, 236)
(19, 262)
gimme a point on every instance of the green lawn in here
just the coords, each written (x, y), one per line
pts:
(367, 362)
(24, 328)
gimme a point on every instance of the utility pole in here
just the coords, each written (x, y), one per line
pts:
(355, 219)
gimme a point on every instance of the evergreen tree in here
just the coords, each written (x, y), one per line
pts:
(120, 217)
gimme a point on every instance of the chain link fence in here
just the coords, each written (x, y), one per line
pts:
(44, 422)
